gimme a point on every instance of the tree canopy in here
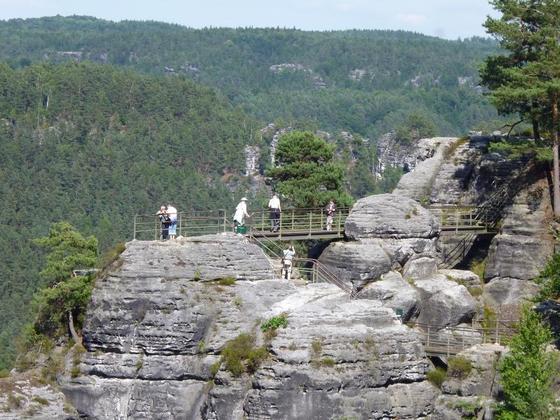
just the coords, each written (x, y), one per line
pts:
(306, 172)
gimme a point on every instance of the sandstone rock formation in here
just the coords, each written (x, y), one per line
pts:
(158, 322)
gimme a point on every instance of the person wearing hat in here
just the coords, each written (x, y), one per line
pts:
(240, 213)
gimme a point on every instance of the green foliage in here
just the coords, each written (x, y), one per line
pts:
(415, 127)
(226, 281)
(306, 173)
(549, 278)
(437, 376)
(67, 250)
(240, 355)
(478, 267)
(275, 322)
(527, 372)
(459, 367)
(521, 148)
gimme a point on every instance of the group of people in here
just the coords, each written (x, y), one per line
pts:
(167, 215)
(275, 209)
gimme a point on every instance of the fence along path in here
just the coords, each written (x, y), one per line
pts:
(298, 224)
(450, 341)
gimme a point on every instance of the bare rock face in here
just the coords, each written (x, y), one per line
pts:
(337, 358)
(522, 248)
(388, 231)
(358, 263)
(472, 394)
(395, 293)
(444, 302)
(390, 216)
(154, 331)
(418, 183)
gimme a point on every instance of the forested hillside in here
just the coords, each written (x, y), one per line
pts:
(82, 141)
(366, 82)
(94, 145)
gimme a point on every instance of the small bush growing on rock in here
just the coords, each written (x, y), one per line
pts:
(226, 281)
(4, 373)
(40, 400)
(437, 376)
(240, 355)
(14, 401)
(197, 276)
(317, 347)
(328, 362)
(478, 267)
(459, 367)
(475, 291)
(275, 322)
(215, 367)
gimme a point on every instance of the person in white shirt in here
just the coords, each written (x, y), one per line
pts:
(240, 213)
(330, 210)
(172, 213)
(287, 256)
(275, 209)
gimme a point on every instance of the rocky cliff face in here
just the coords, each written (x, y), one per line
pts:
(159, 319)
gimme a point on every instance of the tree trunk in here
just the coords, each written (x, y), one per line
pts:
(73, 332)
(536, 130)
(556, 164)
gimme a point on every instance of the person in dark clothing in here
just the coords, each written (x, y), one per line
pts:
(165, 221)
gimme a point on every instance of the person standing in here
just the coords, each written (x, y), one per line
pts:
(240, 213)
(287, 261)
(172, 213)
(275, 210)
(165, 221)
(330, 210)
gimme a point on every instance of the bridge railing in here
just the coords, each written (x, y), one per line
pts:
(194, 223)
(304, 221)
(458, 218)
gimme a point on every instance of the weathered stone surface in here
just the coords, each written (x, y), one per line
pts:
(339, 358)
(395, 293)
(550, 311)
(152, 337)
(23, 397)
(464, 277)
(473, 395)
(418, 183)
(390, 216)
(205, 257)
(401, 250)
(516, 256)
(358, 263)
(482, 379)
(420, 268)
(507, 291)
(443, 302)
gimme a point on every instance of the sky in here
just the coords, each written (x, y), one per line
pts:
(450, 19)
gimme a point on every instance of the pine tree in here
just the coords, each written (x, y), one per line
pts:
(527, 79)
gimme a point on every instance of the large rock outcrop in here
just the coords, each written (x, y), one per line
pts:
(159, 319)
(387, 231)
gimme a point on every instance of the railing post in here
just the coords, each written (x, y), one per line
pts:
(280, 227)
(262, 221)
(310, 221)
(428, 338)
(339, 222)
(155, 229)
(180, 225)
(134, 234)
(448, 344)
(497, 331)
(224, 219)
(292, 211)
(456, 220)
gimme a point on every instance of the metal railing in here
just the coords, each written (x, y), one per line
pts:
(459, 218)
(195, 223)
(293, 224)
(298, 223)
(440, 341)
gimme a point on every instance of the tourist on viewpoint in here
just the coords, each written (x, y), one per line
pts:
(275, 210)
(330, 210)
(240, 214)
(287, 261)
(165, 222)
(172, 213)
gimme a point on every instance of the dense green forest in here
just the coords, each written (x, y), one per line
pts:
(102, 120)
(94, 145)
(362, 81)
